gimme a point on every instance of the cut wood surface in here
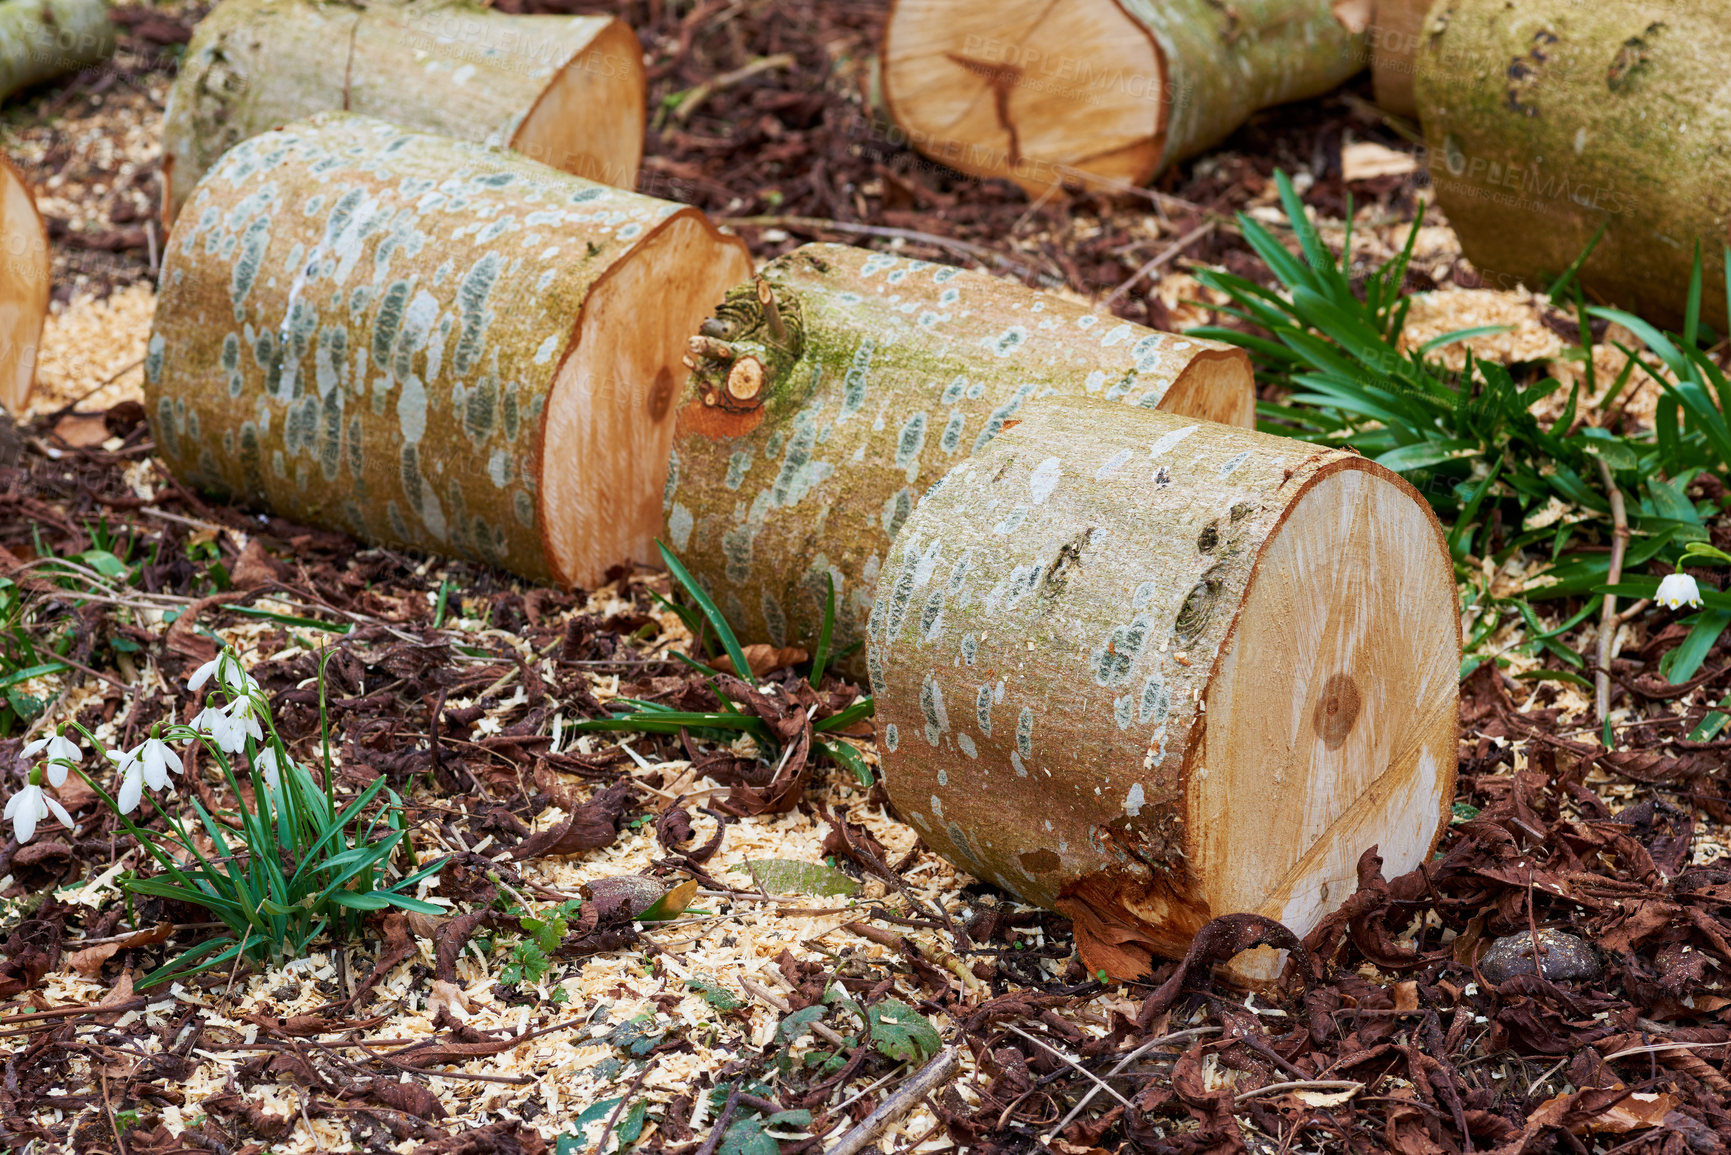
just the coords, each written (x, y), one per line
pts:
(1394, 39)
(24, 288)
(1548, 119)
(1149, 671)
(567, 91)
(800, 453)
(1099, 92)
(430, 343)
(42, 39)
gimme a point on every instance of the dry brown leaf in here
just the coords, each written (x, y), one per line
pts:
(82, 430)
(449, 995)
(1406, 996)
(88, 962)
(762, 658)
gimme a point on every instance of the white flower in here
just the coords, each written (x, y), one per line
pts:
(1677, 590)
(61, 752)
(243, 720)
(230, 674)
(215, 723)
(30, 806)
(157, 759)
(131, 780)
(267, 765)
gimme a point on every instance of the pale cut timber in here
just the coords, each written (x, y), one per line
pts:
(24, 288)
(430, 343)
(565, 90)
(1148, 671)
(1548, 120)
(1099, 93)
(1394, 40)
(799, 457)
(43, 39)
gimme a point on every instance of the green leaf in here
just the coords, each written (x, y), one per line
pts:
(1682, 663)
(798, 1024)
(902, 1033)
(714, 993)
(746, 1137)
(845, 755)
(741, 667)
(824, 635)
(792, 876)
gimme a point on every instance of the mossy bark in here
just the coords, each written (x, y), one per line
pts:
(42, 39)
(887, 372)
(445, 66)
(1550, 119)
(359, 327)
(1062, 617)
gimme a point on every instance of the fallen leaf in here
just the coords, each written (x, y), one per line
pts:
(82, 430)
(1325, 1098)
(449, 995)
(1406, 996)
(88, 962)
(762, 658)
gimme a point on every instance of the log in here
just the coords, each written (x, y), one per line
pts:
(800, 455)
(23, 290)
(1548, 119)
(1099, 93)
(565, 90)
(1147, 671)
(430, 343)
(43, 39)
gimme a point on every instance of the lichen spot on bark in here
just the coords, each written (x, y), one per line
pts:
(1336, 710)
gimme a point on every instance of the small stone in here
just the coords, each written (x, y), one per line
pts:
(1564, 958)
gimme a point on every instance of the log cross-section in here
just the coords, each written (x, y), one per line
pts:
(1148, 671)
(25, 281)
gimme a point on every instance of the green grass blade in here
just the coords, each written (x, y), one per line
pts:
(823, 638)
(741, 668)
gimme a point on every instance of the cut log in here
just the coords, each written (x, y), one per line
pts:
(42, 39)
(430, 343)
(567, 91)
(1394, 40)
(23, 290)
(1548, 119)
(811, 427)
(1099, 92)
(1148, 671)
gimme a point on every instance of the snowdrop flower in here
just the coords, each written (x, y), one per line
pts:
(60, 751)
(243, 720)
(228, 672)
(131, 780)
(30, 806)
(214, 722)
(268, 767)
(156, 758)
(1677, 590)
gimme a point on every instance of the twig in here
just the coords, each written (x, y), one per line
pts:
(1176, 1037)
(1301, 1085)
(1074, 1063)
(721, 1123)
(1159, 259)
(1608, 614)
(695, 97)
(926, 1080)
(607, 1131)
(1654, 1048)
(782, 1005)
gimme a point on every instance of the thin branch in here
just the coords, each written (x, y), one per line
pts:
(1608, 614)
(926, 1080)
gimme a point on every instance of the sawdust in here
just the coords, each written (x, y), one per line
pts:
(92, 341)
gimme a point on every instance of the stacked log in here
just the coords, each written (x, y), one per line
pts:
(1147, 671)
(24, 288)
(1101, 93)
(565, 90)
(429, 343)
(831, 391)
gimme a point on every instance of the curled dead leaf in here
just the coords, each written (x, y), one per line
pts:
(762, 658)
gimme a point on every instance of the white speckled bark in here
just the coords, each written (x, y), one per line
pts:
(567, 91)
(893, 370)
(430, 343)
(1148, 671)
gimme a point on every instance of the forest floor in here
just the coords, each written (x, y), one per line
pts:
(1397, 1031)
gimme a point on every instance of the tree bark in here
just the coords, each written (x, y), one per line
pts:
(1549, 119)
(42, 39)
(1099, 93)
(1148, 671)
(565, 90)
(24, 288)
(800, 455)
(430, 343)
